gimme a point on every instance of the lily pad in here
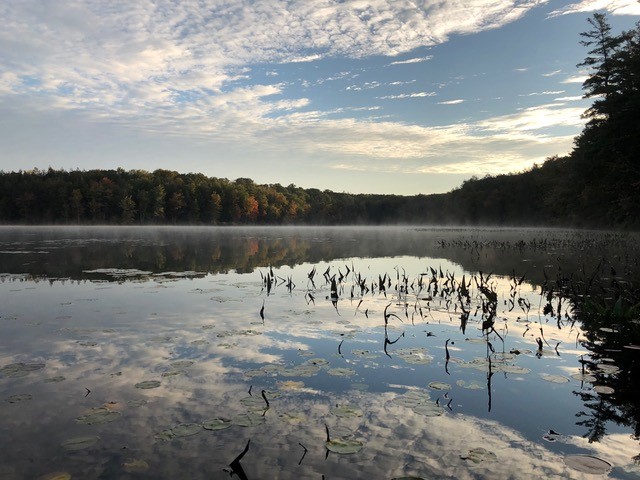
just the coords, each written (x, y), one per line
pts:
(477, 455)
(553, 378)
(135, 465)
(317, 361)
(147, 384)
(583, 377)
(293, 417)
(21, 397)
(610, 369)
(182, 364)
(429, 409)
(301, 371)
(290, 385)
(440, 386)
(604, 389)
(341, 372)
(250, 419)
(346, 411)
(470, 386)
(186, 429)
(98, 416)
(216, 424)
(56, 379)
(412, 398)
(344, 446)
(20, 369)
(137, 403)
(514, 369)
(164, 435)
(79, 443)
(587, 464)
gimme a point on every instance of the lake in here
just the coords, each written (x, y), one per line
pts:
(309, 353)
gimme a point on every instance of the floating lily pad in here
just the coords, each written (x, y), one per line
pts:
(21, 397)
(182, 364)
(301, 371)
(79, 443)
(87, 343)
(553, 378)
(610, 369)
(20, 369)
(137, 403)
(363, 353)
(317, 361)
(164, 435)
(135, 465)
(428, 409)
(362, 387)
(59, 378)
(344, 446)
(477, 455)
(173, 373)
(440, 386)
(290, 385)
(293, 418)
(147, 384)
(98, 416)
(250, 419)
(412, 398)
(341, 372)
(514, 369)
(216, 424)
(604, 390)
(186, 429)
(346, 411)
(583, 377)
(470, 385)
(587, 464)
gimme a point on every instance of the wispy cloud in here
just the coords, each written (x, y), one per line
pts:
(408, 95)
(575, 79)
(615, 7)
(411, 60)
(552, 74)
(451, 102)
(546, 92)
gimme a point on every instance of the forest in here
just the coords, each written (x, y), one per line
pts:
(596, 185)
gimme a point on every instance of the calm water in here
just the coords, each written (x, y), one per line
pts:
(164, 353)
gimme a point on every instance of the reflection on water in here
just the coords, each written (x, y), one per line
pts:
(178, 353)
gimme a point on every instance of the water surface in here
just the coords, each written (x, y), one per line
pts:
(144, 353)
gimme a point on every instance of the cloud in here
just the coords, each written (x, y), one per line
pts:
(575, 79)
(91, 53)
(551, 74)
(615, 7)
(568, 99)
(183, 69)
(408, 95)
(451, 102)
(412, 60)
(546, 92)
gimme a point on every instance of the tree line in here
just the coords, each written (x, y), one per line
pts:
(596, 185)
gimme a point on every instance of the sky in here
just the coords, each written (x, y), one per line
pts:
(379, 96)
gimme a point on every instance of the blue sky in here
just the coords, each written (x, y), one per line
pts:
(380, 96)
